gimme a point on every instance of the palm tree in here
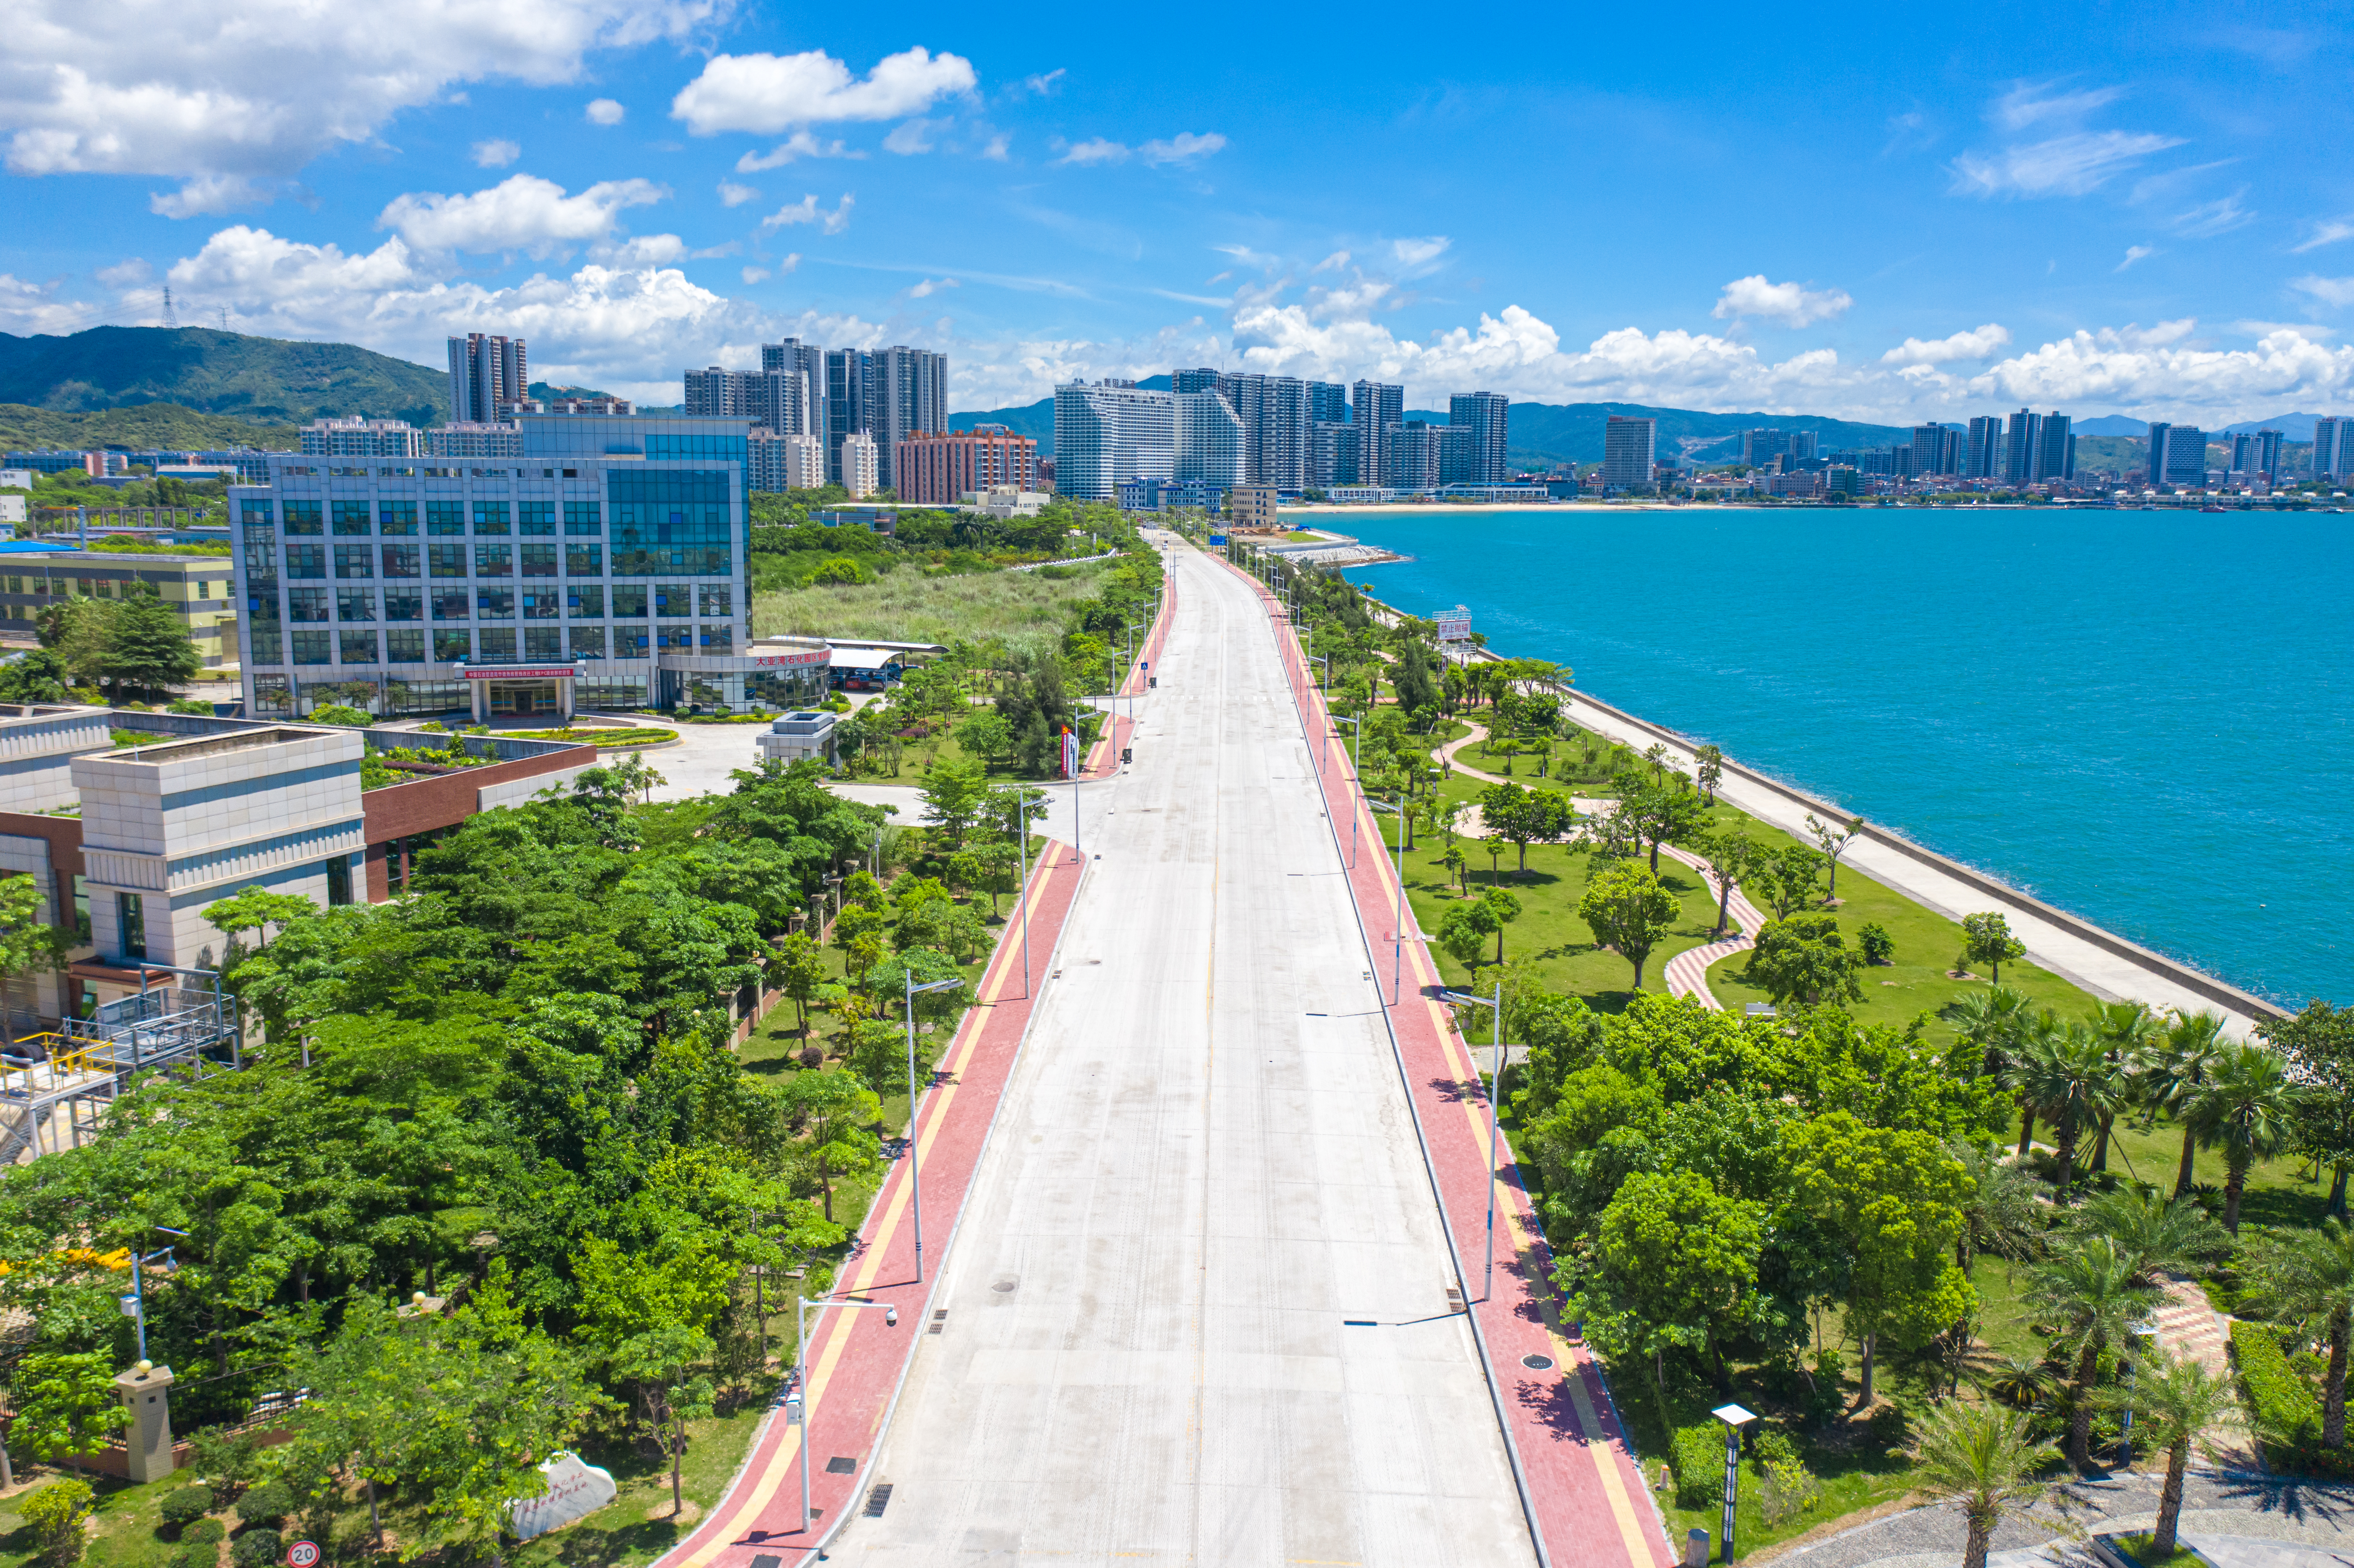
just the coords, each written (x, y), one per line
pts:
(2155, 1234)
(2180, 1399)
(1989, 1022)
(1979, 1457)
(2308, 1275)
(2245, 1106)
(2001, 1215)
(2032, 1039)
(2091, 1290)
(2128, 1028)
(2072, 1079)
(2179, 1061)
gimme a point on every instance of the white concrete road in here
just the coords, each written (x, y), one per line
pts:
(1205, 1164)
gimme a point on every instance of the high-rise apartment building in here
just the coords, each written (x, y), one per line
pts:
(862, 465)
(1210, 441)
(2257, 452)
(1327, 403)
(2055, 449)
(1629, 448)
(2178, 456)
(1274, 414)
(1332, 453)
(1410, 455)
(490, 377)
(776, 399)
(849, 402)
(911, 394)
(937, 468)
(1802, 445)
(793, 356)
(1924, 458)
(1376, 409)
(777, 463)
(2331, 446)
(1108, 432)
(1760, 448)
(1487, 416)
(2019, 445)
(1982, 455)
(1202, 380)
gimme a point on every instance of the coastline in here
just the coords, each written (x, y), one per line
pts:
(2087, 955)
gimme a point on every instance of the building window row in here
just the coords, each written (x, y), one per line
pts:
(307, 647)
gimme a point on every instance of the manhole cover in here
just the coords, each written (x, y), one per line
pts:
(1002, 1285)
(1537, 1363)
(841, 1465)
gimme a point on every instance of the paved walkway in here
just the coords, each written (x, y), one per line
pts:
(1586, 1503)
(1687, 972)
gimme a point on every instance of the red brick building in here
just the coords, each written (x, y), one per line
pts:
(934, 468)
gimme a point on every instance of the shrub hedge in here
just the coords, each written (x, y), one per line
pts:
(1698, 1456)
(2282, 1406)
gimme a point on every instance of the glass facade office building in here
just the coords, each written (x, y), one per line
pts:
(602, 567)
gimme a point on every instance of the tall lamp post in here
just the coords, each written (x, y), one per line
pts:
(799, 1411)
(1734, 1419)
(915, 1159)
(137, 1300)
(1356, 739)
(2146, 1330)
(1397, 936)
(1495, 1004)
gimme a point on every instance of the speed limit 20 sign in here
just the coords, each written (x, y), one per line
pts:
(303, 1554)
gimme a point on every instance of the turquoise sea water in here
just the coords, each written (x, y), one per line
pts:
(2140, 716)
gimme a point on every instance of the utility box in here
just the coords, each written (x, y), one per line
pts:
(1696, 1549)
(147, 1396)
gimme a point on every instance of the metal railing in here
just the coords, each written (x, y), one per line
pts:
(154, 1029)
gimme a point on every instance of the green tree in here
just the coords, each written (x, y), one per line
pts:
(66, 1404)
(1834, 841)
(1526, 816)
(649, 1315)
(1675, 1266)
(1879, 949)
(1987, 939)
(1628, 912)
(28, 942)
(1464, 931)
(1661, 811)
(2154, 1234)
(1734, 858)
(38, 676)
(797, 969)
(1791, 874)
(147, 646)
(1893, 1197)
(1804, 959)
(2247, 1107)
(56, 1512)
(2176, 1063)
(1709, 762)
(839, 1113)
(2072, 1080)
(1505, 908)
(1978, 1457)
(2305, 1275)
(2319, 1043)
(2128, 1029)
(953, 792)
(256, 909)
(2175, 1402)
(2090, 1291)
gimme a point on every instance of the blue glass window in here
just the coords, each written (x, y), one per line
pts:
(350, 517)
(670, 524)
(535, 517)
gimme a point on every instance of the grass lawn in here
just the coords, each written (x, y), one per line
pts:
(1029, 610)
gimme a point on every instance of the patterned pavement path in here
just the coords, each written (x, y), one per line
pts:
(1688, 971)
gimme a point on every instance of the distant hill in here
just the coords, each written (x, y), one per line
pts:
(145, 427)
(1538, 434)
(2111, 424)
(268, 380)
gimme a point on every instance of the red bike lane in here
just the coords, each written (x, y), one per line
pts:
(1580, 1482)
(857, 1361)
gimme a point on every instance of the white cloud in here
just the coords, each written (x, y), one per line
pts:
(996, 146)
(28, 308)
(914, 136)
(2338, 292)
(605, 111)
(2161, 368)
(2211, 219)
(496, 153)
(641, 251)
(1185, 147)
(2065, 166)
(1416, 252)
(1974, 344)
(806, 210)
(210, 195)
(125, 274)
(800, 144)
(522, 213)
(928, 288)
(734, 195)
(2134, 253)
(1788, 303)
(769, 93)
(155, 87)
(756, 274)
(2035, 103)
(1045, 82)
(1338, 259)
(2328, 232)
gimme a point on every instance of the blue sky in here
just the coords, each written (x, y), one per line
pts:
(1877, 212)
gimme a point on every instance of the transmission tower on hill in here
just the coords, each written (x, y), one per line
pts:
(171, 316)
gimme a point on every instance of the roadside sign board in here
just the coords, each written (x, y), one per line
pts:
(303, 1554)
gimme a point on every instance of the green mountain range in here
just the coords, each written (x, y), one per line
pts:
(1541, 434)
(149, 427)
(265, 380)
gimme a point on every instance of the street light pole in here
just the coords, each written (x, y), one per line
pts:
(915, 1157)
(139, 1287)
(1734, 1419)
(798, 1408)
(1397, 970)
(2133, 1369)
(1357, 733)
(1495, 1004)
